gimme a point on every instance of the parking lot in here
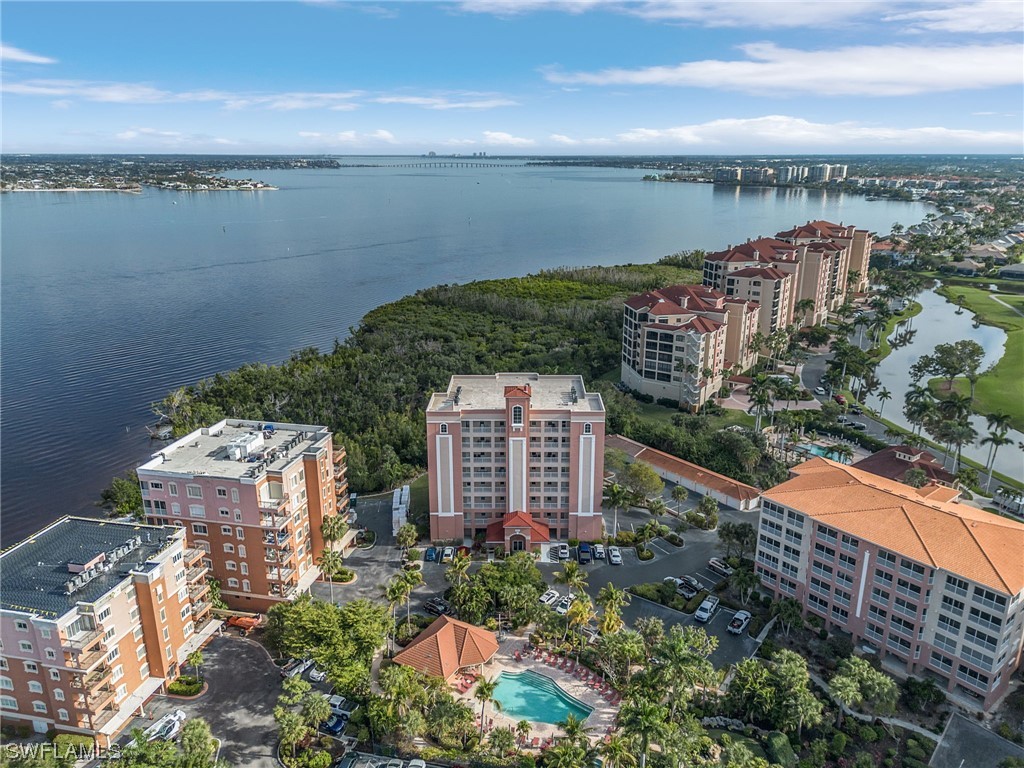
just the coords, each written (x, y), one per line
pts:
(239, 705)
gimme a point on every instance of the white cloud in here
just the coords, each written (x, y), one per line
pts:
(10, 53)
(155, 137)
(463, 101)
(506, 139)
(891, 70)
(785, 132)
(981, 16)
(986, 16)
(61, 103)
(568, 141)
(350, 138)
(292, 100)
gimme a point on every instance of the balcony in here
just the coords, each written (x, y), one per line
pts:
(101, 698)
(280, 574)
(102, 718)
(278, 556)
(192, 575)
(275, 507)
(287, 591)
(201, 608)
(193, 555)
(84, 661)
(279, 540)
(271, 520)
(82, 641)
(97, 678)
(195, 592)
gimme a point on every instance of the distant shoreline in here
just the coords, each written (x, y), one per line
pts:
(139, 191)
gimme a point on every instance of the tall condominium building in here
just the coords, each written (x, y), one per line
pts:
(678, 342)
(934, 587)
(515, 459)
(95, 616)
(727, 175)
(253, 496)
(850, 250)
(758, 270)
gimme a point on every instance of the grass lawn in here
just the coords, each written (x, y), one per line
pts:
(662, 415)
(884, 349)
(753, 746)
(1002, 387)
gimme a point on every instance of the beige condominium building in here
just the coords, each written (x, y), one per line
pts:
(932, 587)
(515, 460)
(95, 617)
(679, 342)
(254, 497)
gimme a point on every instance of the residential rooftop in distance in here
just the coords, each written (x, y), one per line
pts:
(547, 393)
(99, 554)
(236, 448)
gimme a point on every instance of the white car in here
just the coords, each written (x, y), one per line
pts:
(417, 763)
(563, 607)
(614, 556)
(166, 728)
(720, 567)
(563, 552)
(820, 391)
(739, 622)
(707, 609)
(447, 555)
(317, 675)
(549, 597)
(598, 551)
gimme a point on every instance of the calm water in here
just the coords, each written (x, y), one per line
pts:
(109, 301)
(938, 323)
(528, 695)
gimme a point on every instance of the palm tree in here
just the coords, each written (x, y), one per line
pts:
(960, 435)
(760, 394)
(523, 729)
(999, 421)
(485, 694)
(679, 495)
(333, 529)
(396, 591)
(803, 308)
(574, 729)
(883, 396)
(846, 691)
(643, 721)
(330, 563)
(573, 576)
(195, 660)
(843, 452)
(616, 752)
(458, 571)
(413, 579)
(612, 600)
(995, 440)
(616, 496)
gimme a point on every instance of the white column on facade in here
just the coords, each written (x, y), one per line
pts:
(518, 473)
(445, 475)
(863, 582)
(585, 471)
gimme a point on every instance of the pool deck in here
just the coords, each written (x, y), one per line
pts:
(600, 721)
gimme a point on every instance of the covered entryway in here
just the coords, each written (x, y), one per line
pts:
(517, 532)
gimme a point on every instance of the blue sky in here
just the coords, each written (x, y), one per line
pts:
(513, 77)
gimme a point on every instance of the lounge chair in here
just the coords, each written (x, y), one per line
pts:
(535, 743)
(570, 667)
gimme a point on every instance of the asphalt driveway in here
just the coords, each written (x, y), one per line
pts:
(238, 706)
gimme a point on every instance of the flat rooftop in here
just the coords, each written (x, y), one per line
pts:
(36, 571)
(547, 393)
(214, 451)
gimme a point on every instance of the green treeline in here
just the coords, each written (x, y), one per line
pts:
(371, 389)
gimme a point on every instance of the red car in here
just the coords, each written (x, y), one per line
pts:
(839, 399)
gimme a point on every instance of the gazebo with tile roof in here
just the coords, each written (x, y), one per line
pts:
(447, 647)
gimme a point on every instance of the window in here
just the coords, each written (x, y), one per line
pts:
(137, 633)
(175, 508)
(222, 493)
(200, 529)
(113, 655)
(118, 673)
(122, 690)
(234, 495)
(140, 652)
(245, 585)
(229, 548)
(31, 667)
(225, 530)
(241, 550)
(517, 416)
(196, 510)
(21, 626)
(6, 684)
(194, 491)
(109, 633)
(3, 664)
(224, 512)
(588, 429)
(172, 488)
(51, 654)
(244, 569)
(54, 674)
(45, 634)
(230, 565)
(8, 703)
(156, 486)
(444, 429)
(62, 714)
(39, 706)
(956, 586)
(167, 633)
(233, 583)
(240, 533)
(888, 558)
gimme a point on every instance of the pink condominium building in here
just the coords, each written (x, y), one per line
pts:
(935, 588)
(515, 458)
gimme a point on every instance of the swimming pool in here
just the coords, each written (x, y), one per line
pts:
(529, 696)
(819, 450)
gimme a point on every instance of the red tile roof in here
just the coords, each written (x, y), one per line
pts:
(518, 390)
(447, 646)
(768, 273)
(496, 530)
(886, 463)
(704, 324)
(682, 468)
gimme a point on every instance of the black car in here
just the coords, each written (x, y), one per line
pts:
(437, 606)
(856, 410)
(859, 425)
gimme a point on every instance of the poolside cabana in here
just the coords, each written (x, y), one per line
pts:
(448, 647)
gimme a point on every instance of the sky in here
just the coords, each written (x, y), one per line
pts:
(513, 77)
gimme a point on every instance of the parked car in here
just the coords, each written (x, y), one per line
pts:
(430, 555)
(860, 426)
(820, 391)
(674, 581)
(166, 728)
(317, 675)
(340, 705)
(437, 606)
(739, 623)
(842, 418)
(549, 597)
(334, 725)
(296, 667)
(563, 606)
(447, 555)
(856, 410)
(686, 591)
(720, 567)
(841, 399)
(583, 553)
(599, 551)
(614, 556)
(707, 609)
(417, 763)
(563, 552)
(692, 583)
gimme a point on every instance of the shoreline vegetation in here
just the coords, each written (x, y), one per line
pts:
(139, 190)
(372, 388)
(1000, 389)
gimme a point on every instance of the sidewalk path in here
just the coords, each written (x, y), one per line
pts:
(871, 718)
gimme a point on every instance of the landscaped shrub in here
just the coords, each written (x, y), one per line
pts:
(674, 539)
(778, 749)
(414, 554)
(839, 744)
(839, 647)
(768, 649)
(667, 402)
(695, 601)
(647, 591)
(15, 731)
(867, 734)
(911, 762)
(644, 553)
(186, 685)
(625, 538)
(915, 750)
(344, 575)
(77, 742)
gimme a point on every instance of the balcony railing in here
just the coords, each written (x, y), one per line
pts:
(271, 520)
(83, 640)
(194, 555)
(198, 591)
(100, 719)
(98, 677)
(85, 661)
(193, 575)
(280, 574)
(203, 606)
(101, 698)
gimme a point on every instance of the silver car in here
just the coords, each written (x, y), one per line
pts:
(614, 556)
